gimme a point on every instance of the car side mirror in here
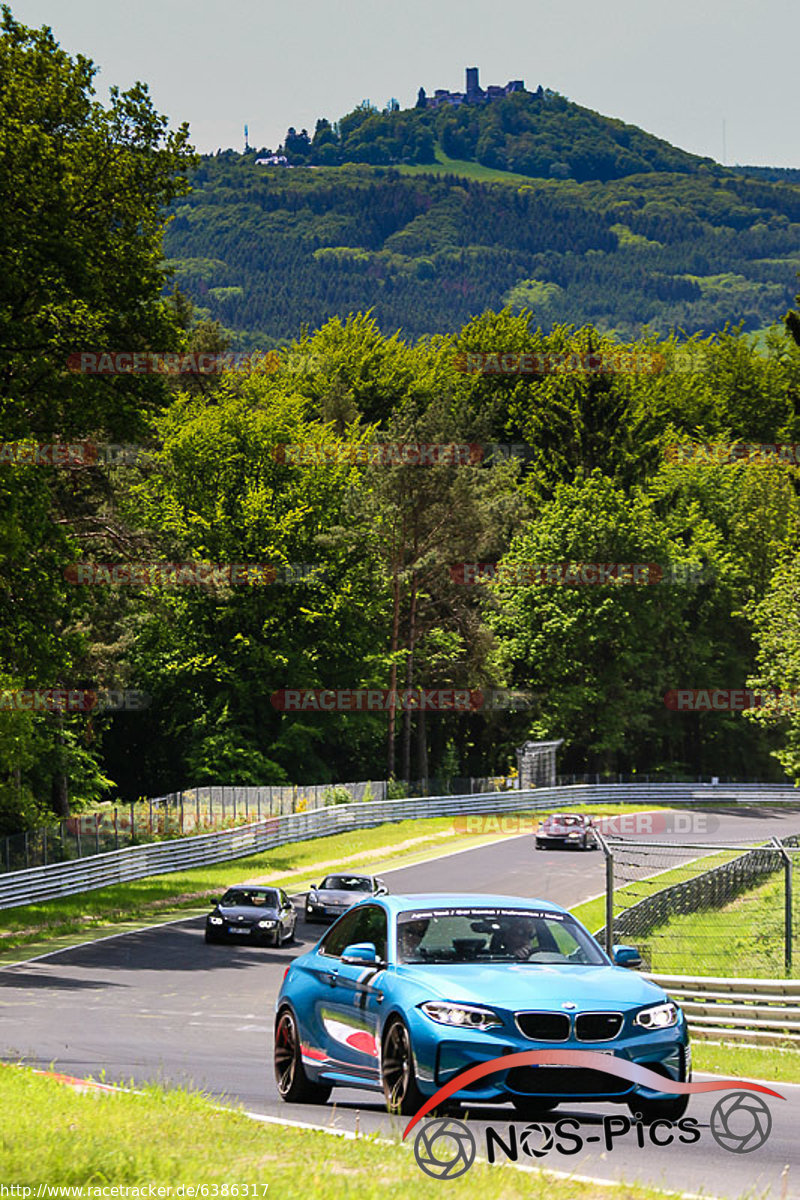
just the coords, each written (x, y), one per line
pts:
(381, 890)
(361, 954)
(626, 956)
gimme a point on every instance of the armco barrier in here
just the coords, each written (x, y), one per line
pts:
(120, 866)
(749, 1012)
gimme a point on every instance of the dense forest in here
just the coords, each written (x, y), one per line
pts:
(347, 562)
(266, 250)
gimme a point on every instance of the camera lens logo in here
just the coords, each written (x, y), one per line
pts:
(444, 1148)
(740, 1122)
(536, 1140)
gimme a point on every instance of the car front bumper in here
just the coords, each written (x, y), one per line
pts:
(325, 912)
(241, 933)
(442, 1053)
(559, 843)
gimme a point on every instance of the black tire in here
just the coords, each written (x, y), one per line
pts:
(211, 937)
(658, 1110)
(294, 1086)
(530, 1108)
(400, 1088)
(287, 941)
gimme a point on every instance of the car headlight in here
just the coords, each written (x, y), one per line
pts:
(466, 1016)
(215, 921)
(265, 924)
(660, 1016)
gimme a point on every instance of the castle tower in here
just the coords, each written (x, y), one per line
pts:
(473, 87)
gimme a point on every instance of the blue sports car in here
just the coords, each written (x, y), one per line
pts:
(405, 992)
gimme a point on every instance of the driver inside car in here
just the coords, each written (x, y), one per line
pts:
(519, 938)
(409, 936)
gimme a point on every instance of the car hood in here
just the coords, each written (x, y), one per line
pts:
(232, 912)
(329, 896)
(527, 985)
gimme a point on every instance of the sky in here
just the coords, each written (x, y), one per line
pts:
(715, 77)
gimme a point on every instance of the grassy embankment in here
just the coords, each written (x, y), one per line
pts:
(168, 1138)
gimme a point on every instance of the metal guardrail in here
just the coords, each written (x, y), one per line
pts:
(208, 809)
(120, 866)
(748, 1012)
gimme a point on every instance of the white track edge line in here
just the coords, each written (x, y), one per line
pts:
(351, 1136)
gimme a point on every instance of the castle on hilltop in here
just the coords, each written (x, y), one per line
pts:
(474, 93)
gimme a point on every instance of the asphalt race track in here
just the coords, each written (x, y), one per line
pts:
(162, 1005)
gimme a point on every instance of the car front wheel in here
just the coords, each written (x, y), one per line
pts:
(397, 1071)
(294, 1085)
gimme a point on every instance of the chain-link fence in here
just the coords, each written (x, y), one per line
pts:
(725, 909)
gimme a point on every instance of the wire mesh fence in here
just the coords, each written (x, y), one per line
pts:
(725, 909)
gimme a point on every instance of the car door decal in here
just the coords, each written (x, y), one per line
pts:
(353, 1035)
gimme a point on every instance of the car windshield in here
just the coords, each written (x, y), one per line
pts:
(250, 898)
(346, 883)
(494, 935)
(567, 820)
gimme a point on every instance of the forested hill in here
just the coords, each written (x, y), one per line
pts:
(539, 133)
(266, 249)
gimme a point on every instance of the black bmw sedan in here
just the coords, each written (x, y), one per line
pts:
(252, 913)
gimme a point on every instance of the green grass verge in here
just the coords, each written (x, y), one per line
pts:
(742, 938)
(592, 913)
(172, 1137)
(295, 866)
(747, 1062)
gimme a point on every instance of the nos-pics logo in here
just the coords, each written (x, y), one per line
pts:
(445, 1148)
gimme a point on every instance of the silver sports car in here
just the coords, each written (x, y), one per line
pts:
(337, 893)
